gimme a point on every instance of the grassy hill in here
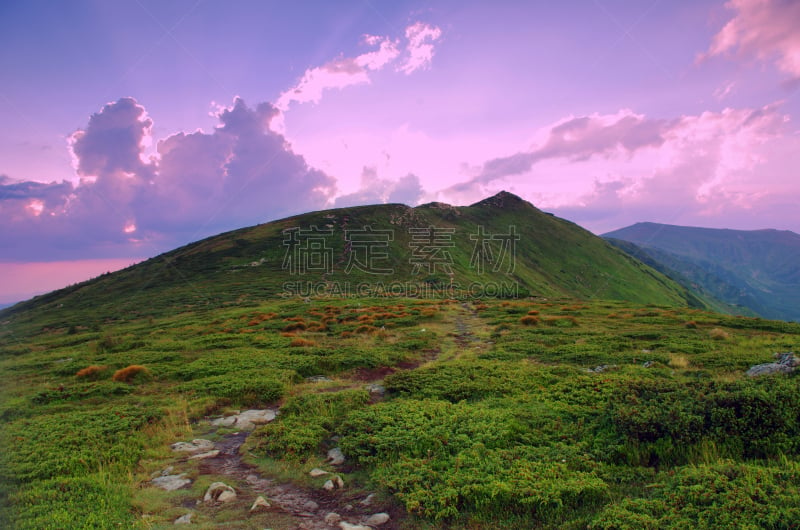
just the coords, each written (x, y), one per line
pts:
(602, 401)
(757, 270)
(502, 245)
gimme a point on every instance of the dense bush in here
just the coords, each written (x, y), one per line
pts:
(721, 495)
(753, 418)
(242, 388)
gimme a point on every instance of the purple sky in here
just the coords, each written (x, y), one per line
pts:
(132, 128)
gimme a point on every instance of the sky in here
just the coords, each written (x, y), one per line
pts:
(134, 127)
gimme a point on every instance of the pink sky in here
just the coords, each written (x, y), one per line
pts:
(134, 129)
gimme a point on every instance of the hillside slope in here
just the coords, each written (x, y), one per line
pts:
(758, 270)
(501, 246)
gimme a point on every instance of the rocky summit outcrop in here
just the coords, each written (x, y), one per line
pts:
(785, 363)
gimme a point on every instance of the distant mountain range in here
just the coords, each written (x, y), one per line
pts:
(745, 272)
(501, 246)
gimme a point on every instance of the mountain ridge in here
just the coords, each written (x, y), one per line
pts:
(754, 269)
(521, 247)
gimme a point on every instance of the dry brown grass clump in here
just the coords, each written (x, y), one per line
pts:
(92, 372)
(302, 343)
(295, 326)
(529, 320)
(719, 334)
(678, 361)
(129, 373)
(533, 312)
(691, 324)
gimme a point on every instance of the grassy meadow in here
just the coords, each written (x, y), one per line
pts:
(528, 413)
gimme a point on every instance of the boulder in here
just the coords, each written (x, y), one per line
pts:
(203, 456)
(328, 486)
(319, 379)
(317, 472)
(367, 500)
(184, 519)
(376, 389)
(335, 456)
(784, 364)
(246, 420)
(344, 525)
(259, 504)
(310, 506)
(171, 482)
(219, 492)
(195, 446)
(332, 518)
(377, 519)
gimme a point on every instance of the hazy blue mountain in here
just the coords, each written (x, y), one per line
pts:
(757, 270)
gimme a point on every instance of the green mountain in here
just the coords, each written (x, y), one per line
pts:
(751, 271)
(140, 398)
(502, 246)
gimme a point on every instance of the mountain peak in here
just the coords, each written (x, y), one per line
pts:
(504, 200)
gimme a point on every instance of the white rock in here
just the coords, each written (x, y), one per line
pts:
(344, 525)
(377, 519)
(171, 482)
(246, 420)
(367, 500)
(203, 456)
(317, 472)
(227, 496)
(310, 506)
(338, 481)
(226, 421)
(335, 456)
(219, 491)
(184, 519)
(328, 486)
(259, 504)
(195, 446)
(332, 518)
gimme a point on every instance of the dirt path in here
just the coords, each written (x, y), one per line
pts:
(467, 323)
(296, 507)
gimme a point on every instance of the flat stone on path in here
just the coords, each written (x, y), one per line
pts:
(246, 420)
(203, 456)
(171, 482)
(195, 446)
(377, 519)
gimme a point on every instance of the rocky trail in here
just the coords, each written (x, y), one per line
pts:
(243, 498)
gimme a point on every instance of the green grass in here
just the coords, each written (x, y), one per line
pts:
(504, 426)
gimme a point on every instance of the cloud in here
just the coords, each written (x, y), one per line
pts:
(347, 71)
(578, 139)
(611, 170)
(198, 184)
(375, 190)
(420, 48)
(764, 29)
(112, 143)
